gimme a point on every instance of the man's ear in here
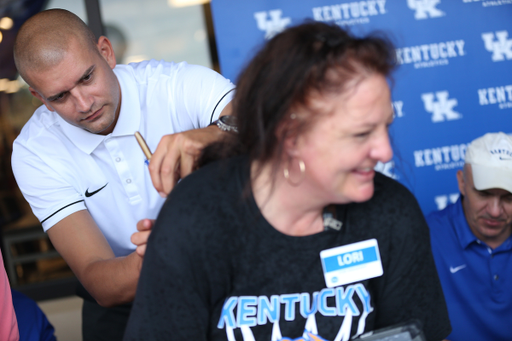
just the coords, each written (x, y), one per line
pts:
(107, 51)
(461, 182)
(41, 98)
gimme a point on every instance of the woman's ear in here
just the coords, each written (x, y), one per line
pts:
(291, 144)
(288, 132)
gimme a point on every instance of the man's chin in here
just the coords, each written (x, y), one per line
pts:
(95, 129)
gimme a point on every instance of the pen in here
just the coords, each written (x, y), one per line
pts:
(143, 145)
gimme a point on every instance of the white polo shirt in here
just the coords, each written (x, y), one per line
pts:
(61, 169)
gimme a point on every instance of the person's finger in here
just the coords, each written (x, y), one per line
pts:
(167, 156)
(141, 250)
(186, 164)
(139, 238)
(145, 224)
(155, 165)
(168, 171)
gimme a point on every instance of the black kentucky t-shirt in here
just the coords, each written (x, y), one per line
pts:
(215, 269)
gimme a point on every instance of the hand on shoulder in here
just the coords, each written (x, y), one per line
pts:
(176, 154)
(140, 239)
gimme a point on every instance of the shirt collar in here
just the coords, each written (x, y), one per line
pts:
(463, 231)
(127, 123)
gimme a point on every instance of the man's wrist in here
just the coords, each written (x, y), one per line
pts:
(226, 123)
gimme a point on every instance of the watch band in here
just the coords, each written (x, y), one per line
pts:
(226, 123)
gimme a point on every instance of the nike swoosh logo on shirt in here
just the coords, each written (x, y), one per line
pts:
(457, 268)
(90, 194)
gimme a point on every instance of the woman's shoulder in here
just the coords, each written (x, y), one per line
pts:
(393, 207)
(390, 192)
(205, 193)
(215, 177)
(385, 183)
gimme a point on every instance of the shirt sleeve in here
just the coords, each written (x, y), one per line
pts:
(49, 193)
(201, 93)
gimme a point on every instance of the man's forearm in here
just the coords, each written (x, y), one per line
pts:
(112, 281)
(109, 279)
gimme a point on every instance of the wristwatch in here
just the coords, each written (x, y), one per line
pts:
(227, 123)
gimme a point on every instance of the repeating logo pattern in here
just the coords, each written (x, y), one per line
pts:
(351, 13)
(499, 45)
(430, 55)
(388, 169)
(442, 108)
(425, 9)
(398, 108)
(453, 59)
(501, 95)
(271, 22)
(443, 200)
(490, 3)
(443, 158)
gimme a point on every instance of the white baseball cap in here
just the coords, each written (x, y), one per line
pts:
(490, 157)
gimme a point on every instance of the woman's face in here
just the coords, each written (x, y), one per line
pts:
(343, 146)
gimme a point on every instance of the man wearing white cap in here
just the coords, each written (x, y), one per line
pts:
(472, 244)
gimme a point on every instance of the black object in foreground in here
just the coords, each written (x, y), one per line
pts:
(409, 331)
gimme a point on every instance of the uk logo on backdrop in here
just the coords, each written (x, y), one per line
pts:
(499, 45)
(440, 106)
(430, 55)
(352, 13)
(425, 9)
(501, 95)
(442, 158)
(490, 3)
(271, 22)
(443, 200)
(398, 107)
(388, 169)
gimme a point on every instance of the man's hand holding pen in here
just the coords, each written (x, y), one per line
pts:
(174, 158)
(176, 154)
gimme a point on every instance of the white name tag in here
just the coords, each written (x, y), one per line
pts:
(351, 263)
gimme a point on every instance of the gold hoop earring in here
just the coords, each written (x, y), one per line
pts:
(286, 172)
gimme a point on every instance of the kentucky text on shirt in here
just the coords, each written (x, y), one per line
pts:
(254, 310)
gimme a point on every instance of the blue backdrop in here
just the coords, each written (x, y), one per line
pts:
(454, 82)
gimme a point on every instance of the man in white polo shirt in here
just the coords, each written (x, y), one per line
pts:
(78, 163)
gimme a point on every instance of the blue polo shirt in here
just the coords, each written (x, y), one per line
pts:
(476, 280)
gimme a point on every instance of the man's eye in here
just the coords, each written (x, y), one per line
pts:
(507, 198)
(88, 77)
(363, 134)
(58, 98)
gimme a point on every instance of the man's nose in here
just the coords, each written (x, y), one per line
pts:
(494, 207)
(83, 101)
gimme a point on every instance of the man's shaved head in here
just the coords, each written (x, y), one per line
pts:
(43, 40)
